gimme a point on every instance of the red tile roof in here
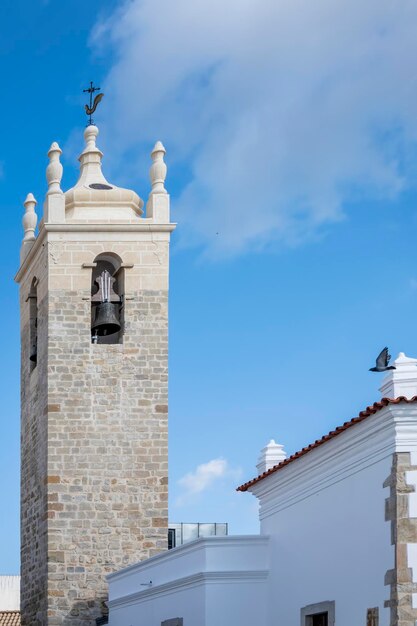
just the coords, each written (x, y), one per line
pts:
(370, 410)
(9, 618)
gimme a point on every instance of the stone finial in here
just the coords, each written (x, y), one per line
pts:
(403, 380)
(29, 222)
(158, 171)
(90, 159)
(54, 170)
(90, 136)
(30, 218)
(271, 455)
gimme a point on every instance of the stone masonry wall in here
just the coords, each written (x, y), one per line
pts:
(34, 433)
(403, 532)
(105, 430)
(107, 456)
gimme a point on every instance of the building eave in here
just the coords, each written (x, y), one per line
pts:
(370, 410)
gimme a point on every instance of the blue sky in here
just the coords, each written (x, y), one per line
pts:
(292, 133)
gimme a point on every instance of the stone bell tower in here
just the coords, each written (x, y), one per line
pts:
(94, 379)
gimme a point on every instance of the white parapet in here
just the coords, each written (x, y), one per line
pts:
(403, 380)
(213, 581)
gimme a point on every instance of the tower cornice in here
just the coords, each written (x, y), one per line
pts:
(142, 227)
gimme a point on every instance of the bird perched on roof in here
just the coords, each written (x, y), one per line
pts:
(382, 361)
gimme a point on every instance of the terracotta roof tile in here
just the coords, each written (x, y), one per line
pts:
(370, 410)
(9, 618)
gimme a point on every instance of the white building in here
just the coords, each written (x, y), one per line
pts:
(9, 600)
(337, 543)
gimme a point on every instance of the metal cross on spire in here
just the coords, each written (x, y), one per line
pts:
(93, 105)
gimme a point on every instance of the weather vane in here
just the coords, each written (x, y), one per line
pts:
(93, 105)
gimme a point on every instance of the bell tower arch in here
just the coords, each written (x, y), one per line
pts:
(107, 299)
(94, 379)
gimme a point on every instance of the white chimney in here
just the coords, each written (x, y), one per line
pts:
(402, 381)
(271, 455)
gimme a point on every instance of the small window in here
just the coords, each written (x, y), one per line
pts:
(33, 324)
(320, 614)
(171, 538)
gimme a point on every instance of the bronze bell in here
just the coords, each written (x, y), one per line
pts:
(106, 320)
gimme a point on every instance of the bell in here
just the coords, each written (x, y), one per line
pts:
(106, 320)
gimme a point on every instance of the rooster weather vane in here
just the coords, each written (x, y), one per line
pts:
(93, 105)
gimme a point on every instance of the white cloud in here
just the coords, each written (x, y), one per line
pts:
(278, 111)
(202, 478)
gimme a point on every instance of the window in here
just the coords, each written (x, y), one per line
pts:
(33, 324)
(171, 538)
(107, 300)
(320, 614)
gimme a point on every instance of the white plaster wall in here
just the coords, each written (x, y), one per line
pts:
(325, 516)
(207, 603)
(333, 545)
(207, 554)
(9, 593)
(236, 604)
(187, 603)
(215, 581)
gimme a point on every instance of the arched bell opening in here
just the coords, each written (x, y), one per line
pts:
(33, 324)
(107, 300)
